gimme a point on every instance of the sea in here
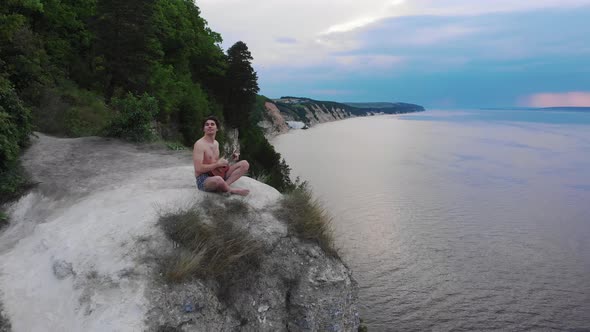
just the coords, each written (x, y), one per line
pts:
(458, 220)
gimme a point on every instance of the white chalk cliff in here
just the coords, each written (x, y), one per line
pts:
(74, 255)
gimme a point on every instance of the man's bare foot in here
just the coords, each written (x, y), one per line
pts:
(238, 191)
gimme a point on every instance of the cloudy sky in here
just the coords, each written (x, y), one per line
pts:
(437, 53)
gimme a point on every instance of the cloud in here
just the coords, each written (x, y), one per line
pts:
(574, 98)
(425, 51)
(322, 27)
(387, 9)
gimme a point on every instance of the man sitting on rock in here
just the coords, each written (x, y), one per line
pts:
(215, 174)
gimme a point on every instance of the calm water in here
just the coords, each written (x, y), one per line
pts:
(458, 220)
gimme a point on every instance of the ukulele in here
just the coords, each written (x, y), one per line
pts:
(221, 171)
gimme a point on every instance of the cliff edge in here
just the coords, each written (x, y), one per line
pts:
(84, 250)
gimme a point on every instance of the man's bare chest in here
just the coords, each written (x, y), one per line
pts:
(211, 153)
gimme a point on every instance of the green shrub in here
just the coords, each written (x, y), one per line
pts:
(193, 108)
(15, 122)
(134, 117)
(71, 112)
(9, 148)
(175, 146)
(264, 159)
(15, 128)
(88, 114)
(3, 222)
(307, 219)
(363, 328)
(14, 182)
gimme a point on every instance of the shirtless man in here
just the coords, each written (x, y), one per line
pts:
(206, 159)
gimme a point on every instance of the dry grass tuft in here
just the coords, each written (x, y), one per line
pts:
(214, 248)
(307, 218)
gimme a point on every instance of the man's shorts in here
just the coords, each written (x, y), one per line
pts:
(201, 181)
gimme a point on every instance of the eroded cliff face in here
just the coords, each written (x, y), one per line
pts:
(311, 112)
(80, 253)
(319, 113)
(274, 123)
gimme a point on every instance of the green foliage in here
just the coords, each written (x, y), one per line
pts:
(175, 146)
(88, 114)
(9, 148)
(134, 117)
(264, 161)
(15, 124)
(166, 88)
(15, 128)
(242, 86)
(306, 218)
(194, 106)
(123, 32)
(363, 327)
(70, 111)
(259, 111)
(22, 57)
(14, 182)
(3, 219)
(72, 62)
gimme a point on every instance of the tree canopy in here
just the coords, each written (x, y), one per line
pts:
(88, 67)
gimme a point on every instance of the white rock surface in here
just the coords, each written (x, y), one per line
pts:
(70, 259)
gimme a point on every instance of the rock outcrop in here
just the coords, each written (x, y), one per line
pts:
(273, 123)
(79, 252)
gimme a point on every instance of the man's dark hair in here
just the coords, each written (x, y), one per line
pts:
(211, 117)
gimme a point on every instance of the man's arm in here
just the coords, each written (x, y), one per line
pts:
(200, 167)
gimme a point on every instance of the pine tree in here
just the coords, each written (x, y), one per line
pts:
(242, 86)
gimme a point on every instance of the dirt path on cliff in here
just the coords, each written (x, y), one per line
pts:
(66, 167)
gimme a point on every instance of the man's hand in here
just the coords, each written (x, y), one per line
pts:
(222, 162)
(236, 155)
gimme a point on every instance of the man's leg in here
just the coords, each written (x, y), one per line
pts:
(216, 183)
(236, 170)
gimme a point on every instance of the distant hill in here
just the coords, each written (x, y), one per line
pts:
(387, 108)
(275, 115)
(295, 105)
(373, 105)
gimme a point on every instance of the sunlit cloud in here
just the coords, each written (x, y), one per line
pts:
(569, 99)
(347, 26)
(384, 11)
(321, 27)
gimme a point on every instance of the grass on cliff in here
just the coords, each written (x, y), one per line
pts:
(216, 247)
(307, 218)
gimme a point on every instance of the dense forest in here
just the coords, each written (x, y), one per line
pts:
(138, 70)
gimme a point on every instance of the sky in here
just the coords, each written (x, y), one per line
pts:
(436, 53)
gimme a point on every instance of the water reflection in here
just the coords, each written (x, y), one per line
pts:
(460, 220)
